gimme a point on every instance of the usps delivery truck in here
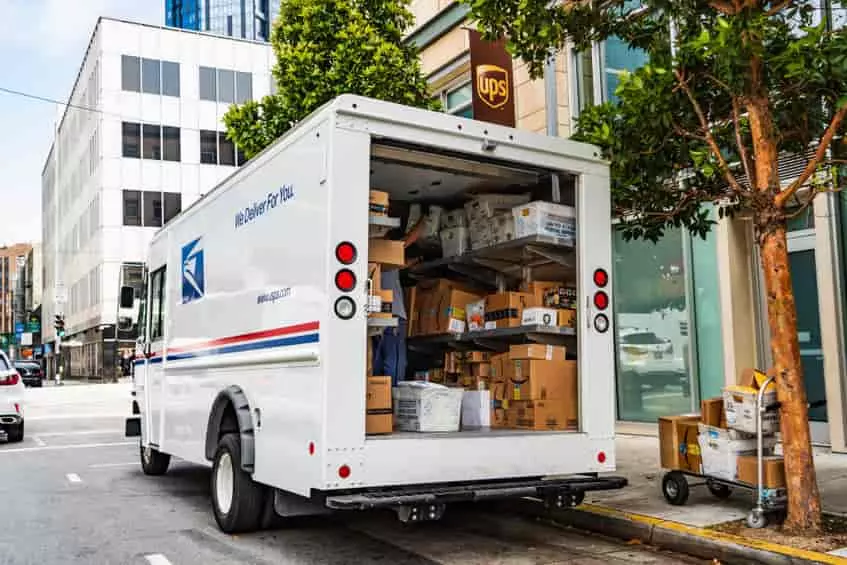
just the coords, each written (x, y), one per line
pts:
(254, 321)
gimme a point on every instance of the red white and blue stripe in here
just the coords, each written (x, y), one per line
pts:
(285, 336)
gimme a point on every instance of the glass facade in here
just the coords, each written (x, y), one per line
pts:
(247, 19)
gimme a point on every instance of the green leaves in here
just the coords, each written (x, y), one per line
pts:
(325, 48)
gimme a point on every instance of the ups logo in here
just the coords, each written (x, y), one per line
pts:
(492, 85)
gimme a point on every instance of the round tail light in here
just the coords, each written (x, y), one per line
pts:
(345, 280)
(345, 252)
(601, 277)
(601, 457)
(601, 300)
(344, 471)
(345, 308)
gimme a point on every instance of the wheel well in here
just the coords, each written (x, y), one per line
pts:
(230, 414)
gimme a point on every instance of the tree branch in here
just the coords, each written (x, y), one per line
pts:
(710, 140)
(742, 149)
(723, 7)
(813, 163)
(778, 7)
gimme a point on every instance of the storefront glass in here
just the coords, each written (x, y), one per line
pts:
(651, 310)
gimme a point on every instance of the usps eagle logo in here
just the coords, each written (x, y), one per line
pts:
(193, 271)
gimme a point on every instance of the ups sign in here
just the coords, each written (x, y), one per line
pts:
(491, 70)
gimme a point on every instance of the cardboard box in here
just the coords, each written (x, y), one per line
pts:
(547, 219)
(724, 433)
(678, 444)
(720, 454)
(481, 370)
(427, 407)
(413, 317)
(543, 380)
(476, 409)
(538, 288)
(486, 206)
(740, 406)
(560, 414)
(504, 310)
(379, 422)
(773, 470)
(567, 318)
(475, 315)
(454, 219)
(378, 203)
(498, 415)
(442, 307)
(474, 382)
(378, 393)
(477, 357)
(711, 410)
(455, 241)
(538, 351)
(502, 228)
(387, 252)
(497, 372)
(536, 316)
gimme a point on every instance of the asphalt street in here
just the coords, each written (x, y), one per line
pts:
(73, 492)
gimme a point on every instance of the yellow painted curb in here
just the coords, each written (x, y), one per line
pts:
(714, 535)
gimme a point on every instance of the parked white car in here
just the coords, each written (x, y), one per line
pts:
(12, 392)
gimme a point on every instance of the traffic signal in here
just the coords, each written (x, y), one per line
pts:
(59, 324)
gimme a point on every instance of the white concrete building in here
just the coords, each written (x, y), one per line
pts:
(142, 138)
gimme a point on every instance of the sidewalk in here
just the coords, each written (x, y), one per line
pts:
(640, 512)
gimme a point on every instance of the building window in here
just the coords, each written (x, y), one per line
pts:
(225, 86)
(208, 84)
(216, 149)
(152, 209)
(173, 205)
(150, 76)
(170, 143)
(618, 58)
(151, 144)
(152, 141)
(132, 207)
(456, 99)
(131, 140)
(130, 73)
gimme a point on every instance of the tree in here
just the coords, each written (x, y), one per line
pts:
(705, 122)
(325, 48)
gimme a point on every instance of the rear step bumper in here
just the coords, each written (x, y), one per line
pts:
(548, 489)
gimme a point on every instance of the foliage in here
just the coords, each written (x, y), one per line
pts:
(680, 135)
(325, 48)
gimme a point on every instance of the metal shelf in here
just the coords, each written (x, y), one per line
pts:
(546, 258)
(495, 340)
(377, 325)
(378, 225)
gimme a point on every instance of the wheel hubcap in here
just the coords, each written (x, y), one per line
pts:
(223, 483)
(671, 489)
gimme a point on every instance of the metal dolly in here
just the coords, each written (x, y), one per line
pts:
(675, 485)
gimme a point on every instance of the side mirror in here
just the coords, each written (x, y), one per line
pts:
(127, 296)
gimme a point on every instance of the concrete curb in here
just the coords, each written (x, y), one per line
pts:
(674, 536)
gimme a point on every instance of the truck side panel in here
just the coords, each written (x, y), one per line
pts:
(247, 300)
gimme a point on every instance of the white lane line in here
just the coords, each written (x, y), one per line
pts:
(101, 431)
(39, 441)
(75, 416)
(107, 465)
(73, 478)
(57, 447)
(157, 559)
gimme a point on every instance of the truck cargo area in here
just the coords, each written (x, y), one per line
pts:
(492, 271)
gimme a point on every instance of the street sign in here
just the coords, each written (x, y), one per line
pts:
(19, 327)
(26, 338)
(33, 326)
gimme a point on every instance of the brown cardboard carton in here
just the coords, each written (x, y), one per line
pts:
(538, 351)
(498, 363)
(711, 410)
(558, 414)
(678, 444)
(481, 370)
(773, 470)
(543, 380)
(498, 416)
(378, 202)
(387, 252)
(379, 422)
(478, 357)
(567, 318)
(379, 393)
(538, 288)
(375, 275)
(449, 307)
(504, 310)
(474, 382)
(412, 313)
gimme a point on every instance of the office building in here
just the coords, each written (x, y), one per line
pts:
(143, 139)
(12, 261)
(246, 19)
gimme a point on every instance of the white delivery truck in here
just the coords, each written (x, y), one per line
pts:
(255, 322)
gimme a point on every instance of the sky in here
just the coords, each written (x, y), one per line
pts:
(42, 43)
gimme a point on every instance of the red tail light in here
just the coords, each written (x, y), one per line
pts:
(345, 253)
(601, 300)
(345, 280)
(10, 380)
(601, 278)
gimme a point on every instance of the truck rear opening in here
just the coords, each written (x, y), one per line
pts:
(388, 307)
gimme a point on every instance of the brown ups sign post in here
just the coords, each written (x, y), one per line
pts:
(491, 71)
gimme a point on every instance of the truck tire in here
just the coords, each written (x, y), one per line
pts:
(237, 500)
(16, 433)
(153, 461)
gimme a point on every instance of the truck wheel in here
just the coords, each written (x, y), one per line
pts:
(236, 498)
(153, 461)
(16, 433)
(719, 490)
(675, 488)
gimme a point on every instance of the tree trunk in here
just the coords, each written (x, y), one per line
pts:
(804, 507)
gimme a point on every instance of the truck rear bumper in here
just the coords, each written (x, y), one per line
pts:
(556, 491)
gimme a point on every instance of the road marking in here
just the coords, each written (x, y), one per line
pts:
(76, 416)
(106, 465)
(73, 478)
(77, 446)
(157, 559)
(39, 441)
(101, 431)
